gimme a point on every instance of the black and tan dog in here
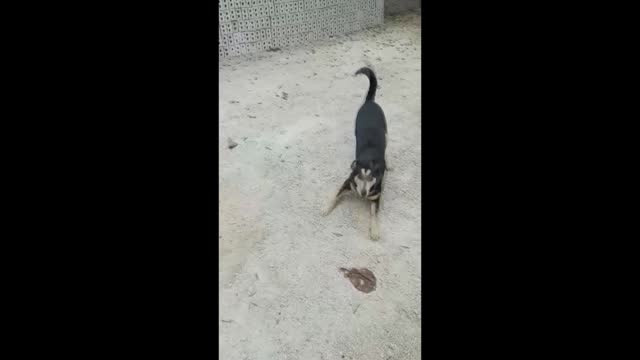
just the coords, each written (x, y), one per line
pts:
(367, 170)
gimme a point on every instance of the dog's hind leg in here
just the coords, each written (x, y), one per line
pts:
(374, 230)
(344, 189)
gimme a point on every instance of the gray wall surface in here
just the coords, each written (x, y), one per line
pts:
(248, 26)
(392, 7)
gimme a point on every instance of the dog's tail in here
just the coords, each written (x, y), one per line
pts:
(373, 82)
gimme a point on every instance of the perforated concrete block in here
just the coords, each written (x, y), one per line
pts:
(248, 26)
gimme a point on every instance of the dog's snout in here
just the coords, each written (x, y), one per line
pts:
(363, 193)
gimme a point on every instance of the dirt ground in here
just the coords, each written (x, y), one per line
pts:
(292, 113)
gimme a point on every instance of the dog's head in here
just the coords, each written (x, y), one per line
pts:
(366, 177)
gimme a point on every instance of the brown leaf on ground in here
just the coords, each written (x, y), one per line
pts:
(362, 279)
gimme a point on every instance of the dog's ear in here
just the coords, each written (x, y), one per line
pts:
(376, 166)
(378, 169)
(353, 164)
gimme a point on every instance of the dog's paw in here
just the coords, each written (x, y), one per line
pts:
(326, 211)
(374, 232)
(329, 207)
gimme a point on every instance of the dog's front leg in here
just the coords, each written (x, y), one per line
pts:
(374, 230)
(344, 189)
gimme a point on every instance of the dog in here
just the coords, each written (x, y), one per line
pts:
(368, 169)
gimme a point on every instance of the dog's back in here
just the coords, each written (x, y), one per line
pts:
(371, 125)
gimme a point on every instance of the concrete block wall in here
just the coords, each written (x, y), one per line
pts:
(248, 26)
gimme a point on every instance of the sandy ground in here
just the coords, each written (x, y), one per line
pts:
(281, 293)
